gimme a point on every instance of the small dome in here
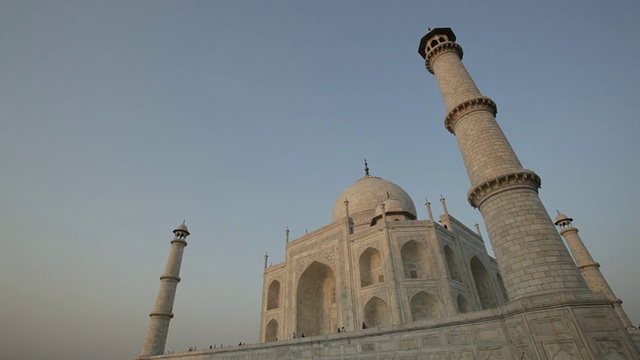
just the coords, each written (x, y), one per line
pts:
(181, 227)
(365, 195)
(390, 206)
(562, 217)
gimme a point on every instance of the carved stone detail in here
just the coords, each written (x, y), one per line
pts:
(327, 256)
(161, 315)
(481, 103)
(405, 239)
(433, 290)
(380, 294)
(170, 278)
(521, 179)
(588, 266)
(438, 50)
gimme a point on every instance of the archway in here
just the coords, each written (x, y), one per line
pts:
(371, 270)
(316, 300)
(503, 290)
(415, 261)
(273, 295)
(423, 306)
(483, 284)
(452, 265)
(376, 312)
(463, 306)
(271, 332)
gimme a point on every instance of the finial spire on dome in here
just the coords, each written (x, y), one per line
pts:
(366, 168)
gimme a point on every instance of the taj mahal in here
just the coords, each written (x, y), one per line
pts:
(379, 283)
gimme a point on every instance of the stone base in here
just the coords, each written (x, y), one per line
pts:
(559, 326)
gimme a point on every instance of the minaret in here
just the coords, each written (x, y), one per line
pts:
(161, 313)
(524, 239)
(589, 268)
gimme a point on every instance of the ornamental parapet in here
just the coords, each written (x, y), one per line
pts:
(179, 241)
(521, 179)
(481, 103)
(617, 302)
(175, 279)
(161, 315)
(568, 230)
(441, 49)
(589, 266)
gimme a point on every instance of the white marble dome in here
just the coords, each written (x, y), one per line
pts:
(366, 194)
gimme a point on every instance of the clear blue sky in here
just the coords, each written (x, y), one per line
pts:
(120, 119)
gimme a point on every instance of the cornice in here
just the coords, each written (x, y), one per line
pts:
(170, 278)
(161, 315)
(589, 266)
(439, 49)
(520, 179)
(179, 242)
(480, 103)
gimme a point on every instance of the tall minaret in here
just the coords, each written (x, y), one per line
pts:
(524, 239)
(589, 268)
(161, 313)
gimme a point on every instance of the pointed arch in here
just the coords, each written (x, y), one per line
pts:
(273, 295)
(415, 262)
(452, 265)
(463, 305)
(376, 312)
(371, 268)
(503, 289)
(483, 284)
(316, 300)
(271, 331)
(424, 306)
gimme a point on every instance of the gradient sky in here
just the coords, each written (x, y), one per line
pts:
(120, 119)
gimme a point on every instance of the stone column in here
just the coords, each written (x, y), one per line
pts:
(589, 268)
(530, 253)
(161, 314)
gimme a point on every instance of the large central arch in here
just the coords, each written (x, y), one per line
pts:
(316, 301)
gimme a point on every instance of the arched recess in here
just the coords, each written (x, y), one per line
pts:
(415, 261)
(452, 265)
(503, 290)
(463, 305)
(273, 295)
(316, 300)
(376, 312)
(271, 332)
(371, 269)
(483, 284)
(424, 306)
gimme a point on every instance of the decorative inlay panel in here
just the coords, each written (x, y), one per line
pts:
(327, 256)
(433, 290)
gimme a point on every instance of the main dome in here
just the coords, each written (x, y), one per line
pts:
(366, 194)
